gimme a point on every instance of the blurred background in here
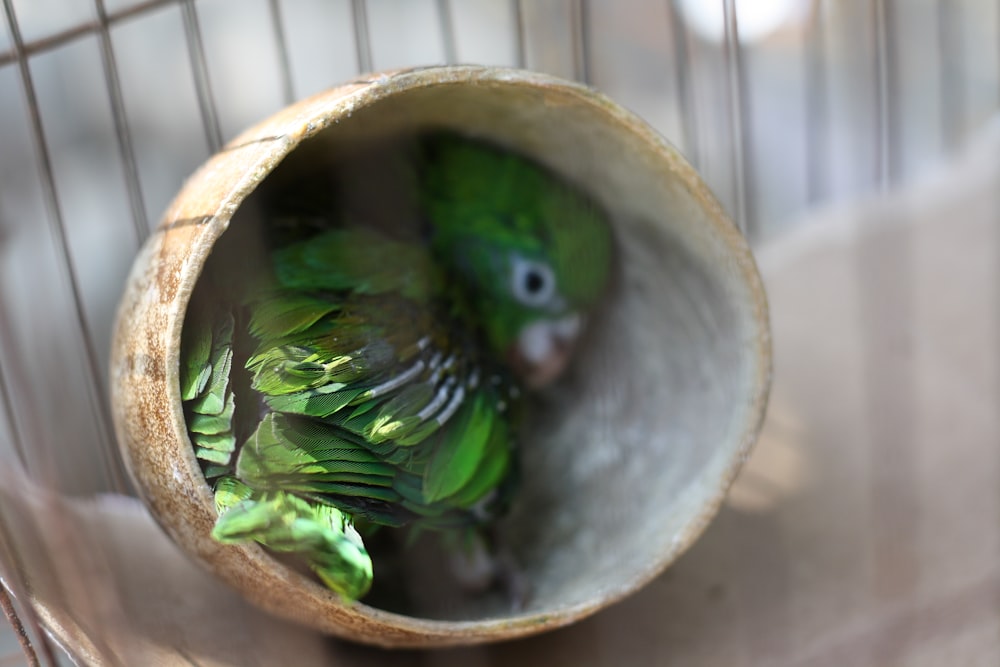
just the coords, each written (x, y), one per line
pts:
(789, 109)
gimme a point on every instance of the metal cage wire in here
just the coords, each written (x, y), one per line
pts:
(832, 92)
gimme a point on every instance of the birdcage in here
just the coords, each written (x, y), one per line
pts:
(849, 141)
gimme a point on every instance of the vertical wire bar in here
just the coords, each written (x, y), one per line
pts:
(8, 380)
(519, 27)
(9, 415)
(949, 28)
(885, 267)
(15, 622)
(685, 84)
(126, 149)
(362, 36)
(284, 60)
(42, 645)
(97, 394)
(739, 114)
(447, 31)
(580, 25)
(996, 322)
(7, 571)
(884, 173)
(6, 403)
(5, 602)
(199, 68)
(996, 314)
(10, 570)
(817, 101)
(885, 270)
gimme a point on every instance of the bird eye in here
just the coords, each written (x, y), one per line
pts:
(533, 283)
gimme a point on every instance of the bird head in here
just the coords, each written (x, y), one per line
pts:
(532, 253)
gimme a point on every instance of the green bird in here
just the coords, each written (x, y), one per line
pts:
(372, 378)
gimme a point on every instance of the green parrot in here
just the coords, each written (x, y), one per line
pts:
(367, 378)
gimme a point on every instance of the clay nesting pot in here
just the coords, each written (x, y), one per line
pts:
(625, 462)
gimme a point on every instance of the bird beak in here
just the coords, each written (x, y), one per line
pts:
(543, 350)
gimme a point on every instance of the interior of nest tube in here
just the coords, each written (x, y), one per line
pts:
(620, 459)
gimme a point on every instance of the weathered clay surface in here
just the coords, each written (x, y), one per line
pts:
(645, 436)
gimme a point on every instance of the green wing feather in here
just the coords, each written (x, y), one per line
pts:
(460, 450)
(372, 408)
(360, 261)
(372, 353)
(286, 523)
(206, 384)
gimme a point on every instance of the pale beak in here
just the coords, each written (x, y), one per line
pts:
(544, 349)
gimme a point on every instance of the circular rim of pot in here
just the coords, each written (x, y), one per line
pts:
(145, 361)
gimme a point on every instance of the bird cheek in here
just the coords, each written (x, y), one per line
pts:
(542, 351)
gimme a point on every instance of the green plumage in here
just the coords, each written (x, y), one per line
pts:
(363, 377)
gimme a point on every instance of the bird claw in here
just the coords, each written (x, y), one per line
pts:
(481, 568)
(512, 581)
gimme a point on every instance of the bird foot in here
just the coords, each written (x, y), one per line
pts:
(479, 569)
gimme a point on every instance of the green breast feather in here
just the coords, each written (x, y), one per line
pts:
(369, 381)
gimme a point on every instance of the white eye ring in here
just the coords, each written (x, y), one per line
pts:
(532, 283)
